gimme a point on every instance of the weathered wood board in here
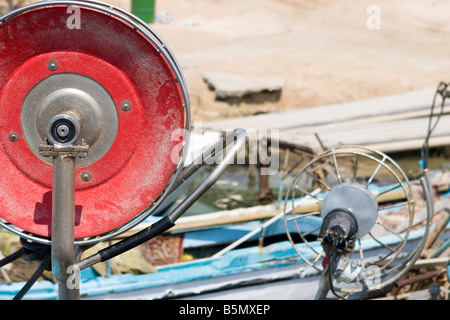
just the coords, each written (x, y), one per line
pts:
(389, 123)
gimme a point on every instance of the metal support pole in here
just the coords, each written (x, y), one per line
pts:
(63, 131)
(63, 222)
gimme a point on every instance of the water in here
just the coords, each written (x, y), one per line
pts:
(238, 187)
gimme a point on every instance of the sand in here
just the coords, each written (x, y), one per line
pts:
(323, 49)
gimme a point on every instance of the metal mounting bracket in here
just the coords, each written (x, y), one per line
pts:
(63, 215)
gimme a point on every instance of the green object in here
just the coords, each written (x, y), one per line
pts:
(144, 9)
(441, 250)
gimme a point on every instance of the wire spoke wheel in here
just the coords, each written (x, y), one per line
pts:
(373, 187)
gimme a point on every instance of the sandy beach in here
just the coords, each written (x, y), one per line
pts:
(324, 50)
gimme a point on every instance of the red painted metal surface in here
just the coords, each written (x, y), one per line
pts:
(139, 164)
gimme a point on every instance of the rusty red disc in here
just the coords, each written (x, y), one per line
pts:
(105, 59)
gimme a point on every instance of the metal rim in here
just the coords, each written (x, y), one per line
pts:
(163, 49)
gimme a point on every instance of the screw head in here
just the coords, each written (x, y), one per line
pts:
(52, 66)
(126, 106)
(86, 176)
(13, 137)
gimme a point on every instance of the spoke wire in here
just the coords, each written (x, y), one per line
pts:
(381, 163)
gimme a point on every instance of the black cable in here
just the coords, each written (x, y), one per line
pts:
(12, 257)
(142, 236)
(44, 264)
(330, 269)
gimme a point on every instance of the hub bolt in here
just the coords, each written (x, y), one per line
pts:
(86, 176)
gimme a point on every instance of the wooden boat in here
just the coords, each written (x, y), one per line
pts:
(272, 271)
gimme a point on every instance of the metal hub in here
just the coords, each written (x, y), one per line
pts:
(77, 97)
(355, 199)
(63, 129)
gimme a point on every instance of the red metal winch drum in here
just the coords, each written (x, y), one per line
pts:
(123, 83)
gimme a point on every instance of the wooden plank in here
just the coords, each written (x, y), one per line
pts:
(405, 134)
(390, 123)
(216, 218)
(262, 212)
(409, 145)
(401, 105)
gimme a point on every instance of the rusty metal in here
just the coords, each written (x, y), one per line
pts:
(416, 279)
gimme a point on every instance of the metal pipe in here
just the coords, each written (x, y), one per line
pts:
(114, 250)
(241, 137)
(63, 222)
(419, 278)
(169, 221)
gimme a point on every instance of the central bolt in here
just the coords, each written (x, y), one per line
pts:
(63, 131)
